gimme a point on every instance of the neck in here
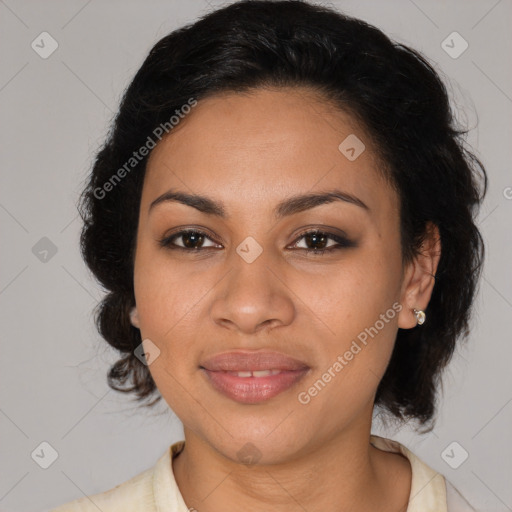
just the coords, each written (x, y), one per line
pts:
(345, 473)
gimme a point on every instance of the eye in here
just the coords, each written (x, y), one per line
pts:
(190, 239)
(319, 240)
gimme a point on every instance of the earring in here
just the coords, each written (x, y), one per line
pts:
(420, 316)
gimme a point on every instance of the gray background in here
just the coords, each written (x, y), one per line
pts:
(55, 113)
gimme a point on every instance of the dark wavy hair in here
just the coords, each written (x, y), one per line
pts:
(389, 88)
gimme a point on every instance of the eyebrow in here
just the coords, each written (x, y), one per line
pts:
(287, 207)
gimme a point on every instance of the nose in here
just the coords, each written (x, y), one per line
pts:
(253, 296)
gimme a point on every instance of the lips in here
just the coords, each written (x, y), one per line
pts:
(252, 361)
(253, 377)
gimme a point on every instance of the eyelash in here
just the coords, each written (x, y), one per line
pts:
(343, 242)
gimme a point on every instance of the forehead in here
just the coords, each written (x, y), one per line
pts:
(266, 144)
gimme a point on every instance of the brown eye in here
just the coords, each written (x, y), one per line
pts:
(317, 242)
(192, 240)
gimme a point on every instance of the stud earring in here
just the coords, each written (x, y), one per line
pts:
(420, 316)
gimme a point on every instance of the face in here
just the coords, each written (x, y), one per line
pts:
(244, 281)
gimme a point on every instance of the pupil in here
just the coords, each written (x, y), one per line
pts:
(192, 236)
(315, 237)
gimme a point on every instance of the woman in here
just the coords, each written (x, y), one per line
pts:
(283, 215)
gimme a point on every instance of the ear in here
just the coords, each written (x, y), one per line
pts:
(419, 278)
(134, 317)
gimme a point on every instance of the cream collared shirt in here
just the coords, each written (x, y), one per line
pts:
(155, 490)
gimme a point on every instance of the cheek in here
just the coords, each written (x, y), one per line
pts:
(353, 295)
(353, 361)
(165, 303)
(161, 292)
(360, 305)
(161, 300)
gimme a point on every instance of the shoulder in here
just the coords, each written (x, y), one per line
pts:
(136, 490)
(429, 489)
(135, 494)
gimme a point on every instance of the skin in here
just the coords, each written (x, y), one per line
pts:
(250, 151)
